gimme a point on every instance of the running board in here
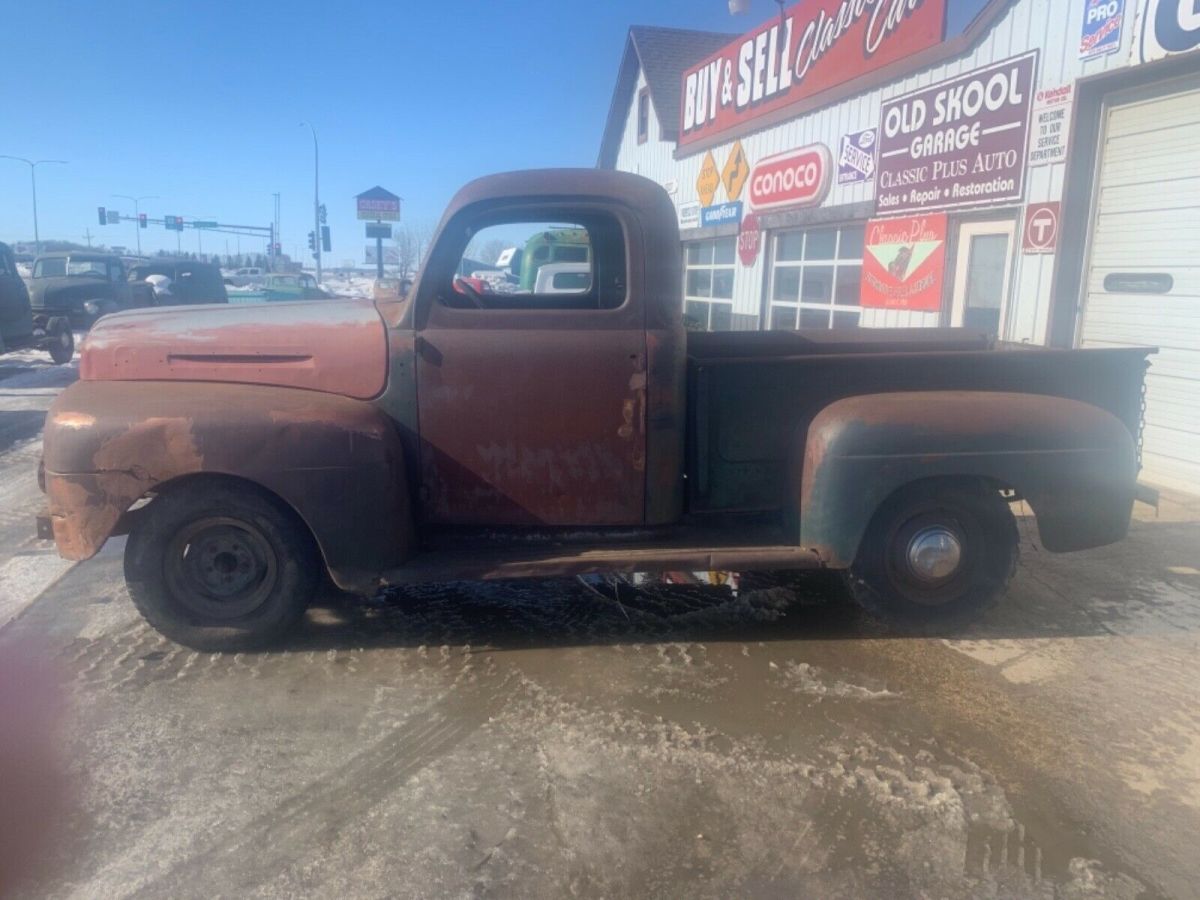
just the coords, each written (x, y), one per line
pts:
(554, 560)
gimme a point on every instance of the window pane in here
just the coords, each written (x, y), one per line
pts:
(820, 244)
(724, 252)
(787, 284)
(699, 283)
(788, 244)
(696, 310)
(783, 318)
(722, 316)
(722, 283)
(846, 292)
(818, 284)
(851, 246)
(693, 253)
(845, 319)
(814, 318)
(706, 253)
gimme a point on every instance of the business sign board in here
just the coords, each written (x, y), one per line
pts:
(749, 239)
(814, 47)
(796, 178)
(961, 142)
(391, 255)
(377, 230)
(1165, 28)
(1102, 21)
(856, 157)
(1040, 234)
(904, 261)
(1051, 124)
(689, 215)
(721, 214)
(378, 205)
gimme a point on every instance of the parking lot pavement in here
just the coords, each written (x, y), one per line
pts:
(538, 739)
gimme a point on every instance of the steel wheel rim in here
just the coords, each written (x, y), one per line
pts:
(929, 587)
(220, 567)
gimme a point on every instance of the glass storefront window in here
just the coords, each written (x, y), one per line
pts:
(815, 276)
(708, 284)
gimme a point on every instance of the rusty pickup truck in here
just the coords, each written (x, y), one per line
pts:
(461, 433)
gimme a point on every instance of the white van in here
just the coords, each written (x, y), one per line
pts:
(564, 278)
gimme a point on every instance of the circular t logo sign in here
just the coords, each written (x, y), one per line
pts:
(749, 240)
(1041, 228)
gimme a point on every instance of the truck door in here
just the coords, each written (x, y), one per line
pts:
(531, 406)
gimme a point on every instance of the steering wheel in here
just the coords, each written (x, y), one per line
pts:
(465, 287)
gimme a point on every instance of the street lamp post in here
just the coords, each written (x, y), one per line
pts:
(33, 164)
(316, 199)
(137, 215)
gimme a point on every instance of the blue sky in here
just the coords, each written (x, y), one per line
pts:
(200, 104)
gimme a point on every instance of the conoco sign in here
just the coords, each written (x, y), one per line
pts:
(795, 178)
(817, 46)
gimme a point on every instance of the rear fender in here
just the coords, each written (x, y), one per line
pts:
(335, 461)
(1074, 463)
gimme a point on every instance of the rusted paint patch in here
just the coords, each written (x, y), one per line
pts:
(151, 450)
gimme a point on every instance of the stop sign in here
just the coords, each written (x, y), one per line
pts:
(749, 239)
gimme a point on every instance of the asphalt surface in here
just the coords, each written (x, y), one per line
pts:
(547, 739)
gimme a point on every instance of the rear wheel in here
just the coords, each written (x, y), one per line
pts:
(218, 568)
(935, 555)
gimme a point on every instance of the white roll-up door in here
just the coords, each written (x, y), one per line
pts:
(1143, 277)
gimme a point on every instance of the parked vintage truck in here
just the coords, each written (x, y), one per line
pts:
(83, 285)
(464, 436)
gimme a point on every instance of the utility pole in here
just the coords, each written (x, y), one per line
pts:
(137, 215)
(316, 198)
(88, 236)
(271, 255)
(33, 164)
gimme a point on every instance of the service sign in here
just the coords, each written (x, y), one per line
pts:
(903, 263)
(795, 178)
(818, 45)
(1051, 121)
(856, 157)
(960, 142)
(1165, 28)
(1102, 20)
(689, 215)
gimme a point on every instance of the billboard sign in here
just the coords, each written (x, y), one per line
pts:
(796, 178)
(904, 261)
(1165, 28)
(856, 157)
(812, 49)
(961, 142)
(378, 205)
(1102, 20)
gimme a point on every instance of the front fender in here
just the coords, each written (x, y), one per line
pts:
(1076, 464)
(336, 461)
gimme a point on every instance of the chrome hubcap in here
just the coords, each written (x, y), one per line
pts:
(934, 553)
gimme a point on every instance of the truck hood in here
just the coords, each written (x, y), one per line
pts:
(335, 346)
(63, 291)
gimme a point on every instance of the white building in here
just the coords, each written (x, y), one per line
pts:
(1029, 167)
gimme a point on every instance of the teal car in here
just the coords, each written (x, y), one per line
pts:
(277, 287)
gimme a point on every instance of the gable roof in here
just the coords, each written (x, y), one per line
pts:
(662, 54)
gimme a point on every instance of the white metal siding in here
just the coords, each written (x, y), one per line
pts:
(1148, 220)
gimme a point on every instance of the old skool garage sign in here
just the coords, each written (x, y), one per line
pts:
(796, 178)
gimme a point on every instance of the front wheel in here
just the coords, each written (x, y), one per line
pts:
(218, 568)
(62, 343)
(935, 555)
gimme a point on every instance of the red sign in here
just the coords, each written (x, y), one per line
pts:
(795, 178)
(749, 240)
(818, 45)
(1040, 234)
(903, 263)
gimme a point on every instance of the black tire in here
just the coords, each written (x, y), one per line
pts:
(921, 595)
(62, 345)
(218, 567)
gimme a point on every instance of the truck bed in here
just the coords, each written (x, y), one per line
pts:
(750, 392)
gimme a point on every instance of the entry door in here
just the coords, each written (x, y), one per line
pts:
(981, 275)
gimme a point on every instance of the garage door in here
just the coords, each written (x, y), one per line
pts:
(1143, 278)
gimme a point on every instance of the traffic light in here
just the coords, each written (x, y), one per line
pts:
(325, 238)
(103, 215)
(141, 220)
(312, 241)
(321, 213)
(278, 248)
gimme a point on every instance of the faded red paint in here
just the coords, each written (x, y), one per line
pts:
(338, 346)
